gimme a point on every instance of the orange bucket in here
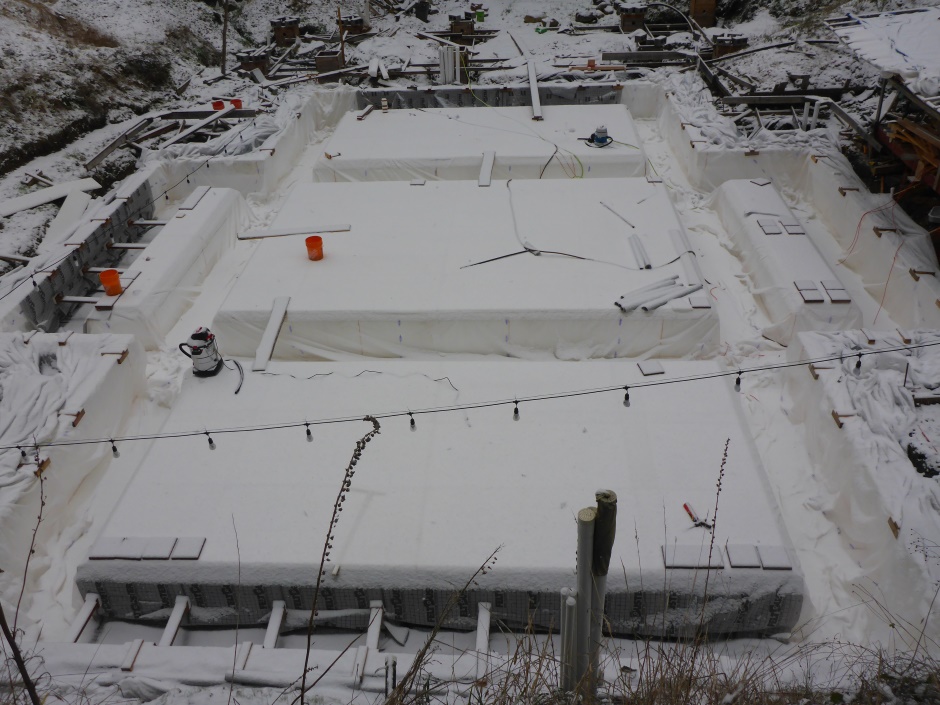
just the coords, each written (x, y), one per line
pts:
(218, 104)
(314, 247)
(237, 103)
(111, 281)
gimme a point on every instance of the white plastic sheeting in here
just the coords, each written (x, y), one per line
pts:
(44, 387)
(865, 469)
(449, 143)
(905, 43)
(302, 118)
(170, 271)
(884, 263)
(791, 280)
(522, 268)
(427, 506)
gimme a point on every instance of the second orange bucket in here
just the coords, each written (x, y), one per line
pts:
(111, 281)
(315, 247)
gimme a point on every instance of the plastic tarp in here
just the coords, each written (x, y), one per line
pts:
(884, 263)
(427, 507)
(46, 381)
(449, 143)
(302, 118)
(868, 479)
(523, 268)
(904, 43)
(168, 274)
(791, 280)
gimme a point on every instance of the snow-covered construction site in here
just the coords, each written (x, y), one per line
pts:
(405, 341)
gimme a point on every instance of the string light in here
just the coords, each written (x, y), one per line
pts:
(515, 411)
(858, 363)
(737, 382)
(412, 423)
(114, 450)
(309, 433)
(473, 405)
(626, 396)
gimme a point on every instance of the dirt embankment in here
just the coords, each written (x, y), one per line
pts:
(61, 78)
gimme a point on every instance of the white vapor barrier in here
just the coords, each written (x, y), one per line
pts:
(302, 118)
(449, 143)
(56, 387)
(871, 491)
(524, 268)
(709, 165)
(884, 263)
(427, 506)
(170, 271)
(791, 280)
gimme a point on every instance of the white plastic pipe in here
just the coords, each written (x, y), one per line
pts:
(669, 295)
(638, 296)
(585, 585)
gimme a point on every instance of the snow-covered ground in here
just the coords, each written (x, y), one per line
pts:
(864, 533)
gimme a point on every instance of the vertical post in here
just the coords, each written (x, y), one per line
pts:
(583, 678)
(605, 530)
(881, 100)
(534, 91)
(812, 124)
(569, 628)
(224, 34)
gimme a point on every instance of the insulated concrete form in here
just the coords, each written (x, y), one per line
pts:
(791, 280)
(523, 268)
(57, 388)
(428, 505)
(449, 143)
(168, 272)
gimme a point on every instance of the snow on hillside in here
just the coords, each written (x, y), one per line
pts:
(75, 74)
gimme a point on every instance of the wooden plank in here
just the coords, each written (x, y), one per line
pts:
(534, 91)
(14, 259)
(67, 217)
(199, 125)
(434, 37)
(119, 141)
(173, 623)
(133, 649)
(376, 613)
(305, 230)
(486, 168)
(147, 223)
(84, 616)
(359, 665)
(278, 610)
(127, 245)
(268, 340)
(242, 651)
(193, 199)
(46, 195)
(483, 627)
(201, 114)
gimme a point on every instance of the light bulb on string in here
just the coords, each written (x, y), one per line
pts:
(211, 442)
(626, 396)
(414, 426)
(858, 363)
(515, 411)
(114, 451)
(737, 382)
(309, 433)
